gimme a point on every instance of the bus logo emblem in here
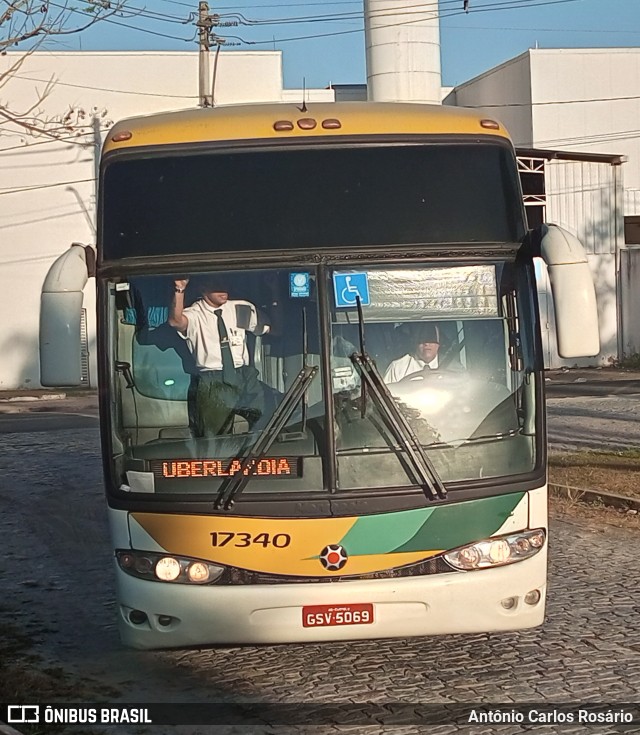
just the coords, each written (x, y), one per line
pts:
(333, 557)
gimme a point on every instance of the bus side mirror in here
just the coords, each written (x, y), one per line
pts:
(60, 317)
(574, 294)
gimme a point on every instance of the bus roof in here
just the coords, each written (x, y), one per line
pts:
(258, 122)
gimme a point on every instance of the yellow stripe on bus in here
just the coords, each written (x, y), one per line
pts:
(256, 122)
(288, 546)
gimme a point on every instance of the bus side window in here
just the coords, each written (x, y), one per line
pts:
(162, 364)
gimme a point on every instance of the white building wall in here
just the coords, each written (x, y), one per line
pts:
(47, 187)
(632, 202)
(585, 100)
(629, 280)
(503, 93)
(588, 100)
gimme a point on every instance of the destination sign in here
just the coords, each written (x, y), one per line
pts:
(178, 469)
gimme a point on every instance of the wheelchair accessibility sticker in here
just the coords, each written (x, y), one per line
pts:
(348, 286)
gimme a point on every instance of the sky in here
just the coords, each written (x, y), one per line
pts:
(323, 42)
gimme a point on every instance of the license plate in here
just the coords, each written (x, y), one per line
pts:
(321, 616)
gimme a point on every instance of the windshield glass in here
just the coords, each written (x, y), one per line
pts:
(449, 345)
(201, 363)
(220, 374)
(440, 193)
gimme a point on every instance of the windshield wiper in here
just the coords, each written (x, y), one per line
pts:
(233, 486)
(424, 471)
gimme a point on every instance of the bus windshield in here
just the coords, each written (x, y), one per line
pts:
(304, 198)
(453, 344)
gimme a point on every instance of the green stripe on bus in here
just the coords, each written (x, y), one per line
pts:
(426, 529)
(383, 533)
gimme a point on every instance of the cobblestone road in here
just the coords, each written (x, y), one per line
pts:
(611, 422)
(57, 586)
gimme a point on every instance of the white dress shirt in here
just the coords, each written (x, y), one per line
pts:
(202, 334)
(406, 365)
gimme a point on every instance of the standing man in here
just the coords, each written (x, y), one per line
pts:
(214, 329)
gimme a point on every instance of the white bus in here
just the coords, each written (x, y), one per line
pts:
(358, 506)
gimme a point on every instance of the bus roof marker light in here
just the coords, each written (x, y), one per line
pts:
(491, 124)
(307, 123)
(121, 137)
(331, 123)
(283, 125)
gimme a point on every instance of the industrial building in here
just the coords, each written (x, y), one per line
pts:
(47, 186)
(572, 115)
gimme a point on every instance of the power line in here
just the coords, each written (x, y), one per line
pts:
(542, 30)
(125, 12)
(271, 5)
(22, 189)
(558, 102)
(107, 89)
(590, 139)
(124, 25)
(508, 5)
(357, 15)
(394, 11)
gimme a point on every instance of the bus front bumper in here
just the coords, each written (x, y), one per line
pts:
(176, 615)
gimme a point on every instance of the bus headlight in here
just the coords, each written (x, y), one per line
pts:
(167, 568)
(497, 551)
(198, 572)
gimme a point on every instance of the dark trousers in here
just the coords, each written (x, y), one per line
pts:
(216, 402)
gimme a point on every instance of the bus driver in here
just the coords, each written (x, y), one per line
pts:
(214, 329)
(425, 341)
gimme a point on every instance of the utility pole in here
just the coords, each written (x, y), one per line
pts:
(206, 37)
(204, 24)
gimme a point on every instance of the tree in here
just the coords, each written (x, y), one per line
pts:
(29, 24)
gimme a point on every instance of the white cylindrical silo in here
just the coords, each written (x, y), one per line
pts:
(403, 50)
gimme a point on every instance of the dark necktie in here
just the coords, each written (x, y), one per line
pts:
(228, 368)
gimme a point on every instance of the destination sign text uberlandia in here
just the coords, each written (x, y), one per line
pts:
(173, 469)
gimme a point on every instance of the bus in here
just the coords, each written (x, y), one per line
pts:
(355, 507)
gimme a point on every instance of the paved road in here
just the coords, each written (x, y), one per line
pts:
(29, 422)
(596, 414)
(57, 587)
(610, 422)
(600, 409)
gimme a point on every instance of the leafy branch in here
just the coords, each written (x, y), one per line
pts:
(28, 25)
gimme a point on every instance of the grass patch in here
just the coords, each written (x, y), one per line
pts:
(611, 472)
(630, 361)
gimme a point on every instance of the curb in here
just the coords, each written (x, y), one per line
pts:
(598, 496)
(43, 397)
